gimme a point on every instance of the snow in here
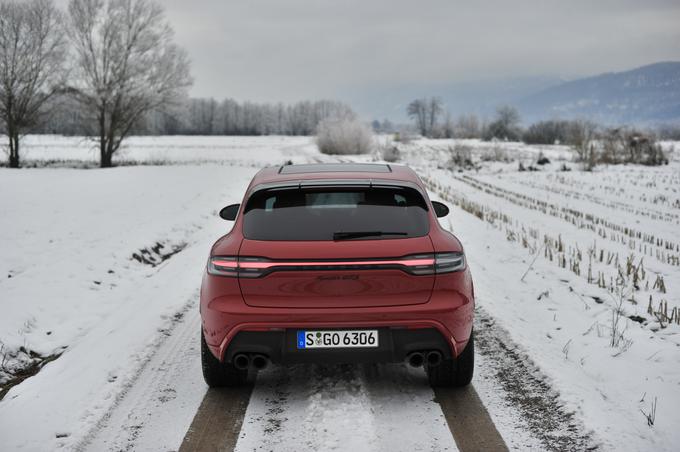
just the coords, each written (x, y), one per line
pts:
(345, 408)
(129, 375)
(242, 151)
(156, 410)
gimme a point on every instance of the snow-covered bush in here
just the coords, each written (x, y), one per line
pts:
(623, 145)
(460, 157)
(391, 154)
(494, 153)
(343, 136)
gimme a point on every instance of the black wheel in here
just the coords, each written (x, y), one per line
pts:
(455, 372)
(217, 374)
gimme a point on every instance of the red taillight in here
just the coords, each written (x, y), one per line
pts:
(449, 262)
(245, 267)
(254, 267)
(223, 266)
(440, 263)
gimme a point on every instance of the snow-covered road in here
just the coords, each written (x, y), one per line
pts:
(343, 408)
(157, 408)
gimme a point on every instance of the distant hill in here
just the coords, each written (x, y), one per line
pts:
(480, 96)
(648, 94)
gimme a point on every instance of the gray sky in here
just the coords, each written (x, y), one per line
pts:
(286, 50)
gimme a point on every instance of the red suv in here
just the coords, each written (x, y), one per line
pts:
(337, 263)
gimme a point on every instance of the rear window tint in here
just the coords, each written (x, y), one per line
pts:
(318, 214)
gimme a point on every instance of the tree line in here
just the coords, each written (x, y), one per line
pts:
(207, 116)
(431, 120)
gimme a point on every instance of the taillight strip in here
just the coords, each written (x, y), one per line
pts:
(228, 264)
(256, 267)
(269, 264)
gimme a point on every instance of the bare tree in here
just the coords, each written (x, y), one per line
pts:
(31, 62)
(126, 65)
(425, 112)
(467, 126)
(582, 134)
(417, 110)
(506, 126)
(435, 109)
(448, 127)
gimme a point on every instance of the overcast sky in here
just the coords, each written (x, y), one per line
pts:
(286, 50)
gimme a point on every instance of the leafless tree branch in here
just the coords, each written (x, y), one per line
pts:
(32, 53)
(126, 65)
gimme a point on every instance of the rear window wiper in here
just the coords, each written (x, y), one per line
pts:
(359, 234)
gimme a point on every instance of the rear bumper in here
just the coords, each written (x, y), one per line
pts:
(448, 314)
(394, 344)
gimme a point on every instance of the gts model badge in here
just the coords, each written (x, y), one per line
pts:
(337, 277)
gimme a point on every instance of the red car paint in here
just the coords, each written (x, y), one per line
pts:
(328, 297)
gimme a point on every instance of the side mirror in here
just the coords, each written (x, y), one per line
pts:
(229, 212)
(440, 209)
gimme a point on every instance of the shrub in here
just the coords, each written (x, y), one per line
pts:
(344, 137)
(506, 126)
(622, 145)
(494, 153)
(552, 132)
(460, 157)
(391, 154)
(669, 132)
(468, 126)
(544, 132)
(581, 137)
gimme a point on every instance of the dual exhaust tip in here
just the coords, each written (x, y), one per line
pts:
(243, 361)
(430, 358)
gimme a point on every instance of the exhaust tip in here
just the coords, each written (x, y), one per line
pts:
(434, 358)
(415, 359)
(241, 361)
(259, 362)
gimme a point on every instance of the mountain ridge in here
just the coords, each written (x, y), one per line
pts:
(646, 94)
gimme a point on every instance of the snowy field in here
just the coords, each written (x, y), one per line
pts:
(579, 271)
(597, 311)
(53, 150)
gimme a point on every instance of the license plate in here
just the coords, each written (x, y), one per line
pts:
(337, 339)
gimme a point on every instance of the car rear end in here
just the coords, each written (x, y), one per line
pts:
(326, 268)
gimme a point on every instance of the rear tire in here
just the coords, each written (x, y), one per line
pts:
(217, 374)
(455, 372)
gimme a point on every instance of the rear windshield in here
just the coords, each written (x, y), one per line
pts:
(335, 214)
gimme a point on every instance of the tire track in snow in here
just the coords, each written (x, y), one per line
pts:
(306, 407)
(157, 408)
(218, 421)
(528, 390)
(469, 420)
